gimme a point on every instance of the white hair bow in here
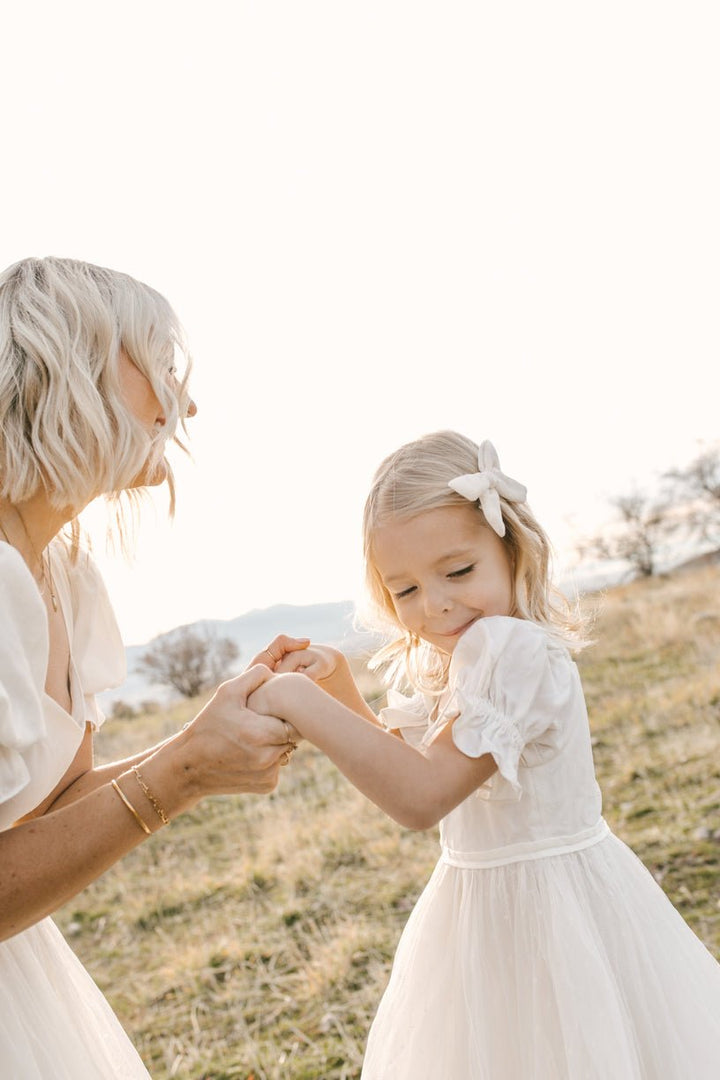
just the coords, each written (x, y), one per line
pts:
(487, 485)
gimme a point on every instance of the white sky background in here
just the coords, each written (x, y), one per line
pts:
(377, 220)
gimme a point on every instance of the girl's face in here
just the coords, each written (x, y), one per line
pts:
(444, 569)
(141, 400)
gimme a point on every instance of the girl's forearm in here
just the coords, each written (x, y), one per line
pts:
(382, 767)
(413, 788)
(342, 686)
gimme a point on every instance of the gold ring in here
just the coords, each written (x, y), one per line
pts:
(272, 656)
(288, 736)
(285, 757)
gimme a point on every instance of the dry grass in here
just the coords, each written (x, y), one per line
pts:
(254, 937)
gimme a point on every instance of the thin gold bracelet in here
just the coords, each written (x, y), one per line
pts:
(114, 784)
(150, 797)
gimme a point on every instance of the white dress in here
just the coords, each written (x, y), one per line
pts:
(541, 948)
(54, 1022)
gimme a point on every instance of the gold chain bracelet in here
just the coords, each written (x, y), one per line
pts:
(150, 797)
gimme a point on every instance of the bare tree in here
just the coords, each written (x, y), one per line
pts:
(697, 486)
(189, 660)
(643, 525)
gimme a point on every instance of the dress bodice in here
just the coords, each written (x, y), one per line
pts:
(38, 738)
(513, 692)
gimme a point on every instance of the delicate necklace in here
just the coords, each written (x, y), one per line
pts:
(50, 582)
(46, 580)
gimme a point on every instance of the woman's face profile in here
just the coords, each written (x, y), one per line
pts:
(140, 398)
(138, 395)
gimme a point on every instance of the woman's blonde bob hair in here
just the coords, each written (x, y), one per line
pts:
(413, 480)
(65, 426)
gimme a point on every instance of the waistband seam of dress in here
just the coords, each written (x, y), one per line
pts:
(558, 845)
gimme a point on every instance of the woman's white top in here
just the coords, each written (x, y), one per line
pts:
(54, 1021)
(38, 738)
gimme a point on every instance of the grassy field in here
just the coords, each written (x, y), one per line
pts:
(252, 939)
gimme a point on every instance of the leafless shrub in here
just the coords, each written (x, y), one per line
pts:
(639, 533)
(122, 710)
(697, 486)
(189, 661)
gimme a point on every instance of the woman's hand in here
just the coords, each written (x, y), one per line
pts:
(230, 748)
(278, 649)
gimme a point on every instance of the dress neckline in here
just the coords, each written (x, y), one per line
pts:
(62, 599)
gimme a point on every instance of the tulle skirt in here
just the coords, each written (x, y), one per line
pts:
(568, 967)
(54, 1022)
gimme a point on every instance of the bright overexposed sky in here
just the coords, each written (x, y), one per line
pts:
(379, 219)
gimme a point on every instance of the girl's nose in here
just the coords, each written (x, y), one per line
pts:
(436, 602)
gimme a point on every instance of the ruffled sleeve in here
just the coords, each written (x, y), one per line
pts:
(408, 715)
(97, 647)
(509, 684)
(23, 666)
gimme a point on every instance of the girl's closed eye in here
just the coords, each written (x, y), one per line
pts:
(462, 572)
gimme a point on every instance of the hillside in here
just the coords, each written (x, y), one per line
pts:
(252, 938)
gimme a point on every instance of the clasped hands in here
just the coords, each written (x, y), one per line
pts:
(286, 655)
(239, 740)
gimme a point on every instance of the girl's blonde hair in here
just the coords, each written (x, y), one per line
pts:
(65, 426)
(415, 479)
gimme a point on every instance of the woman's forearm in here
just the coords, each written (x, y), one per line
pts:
(226, 749)
(48, 860)
(98, 775)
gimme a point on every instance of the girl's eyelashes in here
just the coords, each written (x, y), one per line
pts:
(453, 574)
(463, 571)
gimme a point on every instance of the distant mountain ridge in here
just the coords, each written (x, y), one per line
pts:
(331, 623)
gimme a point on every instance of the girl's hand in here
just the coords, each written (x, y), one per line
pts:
(280, 696)
(318, 662)
(329, 669)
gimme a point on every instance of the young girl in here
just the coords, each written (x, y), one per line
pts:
(541, 948)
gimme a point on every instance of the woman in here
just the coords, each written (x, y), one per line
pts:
(88, 400)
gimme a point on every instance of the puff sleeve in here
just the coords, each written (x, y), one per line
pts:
(510, 683)
(23, 664)
(408, 715)
(98, 651)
